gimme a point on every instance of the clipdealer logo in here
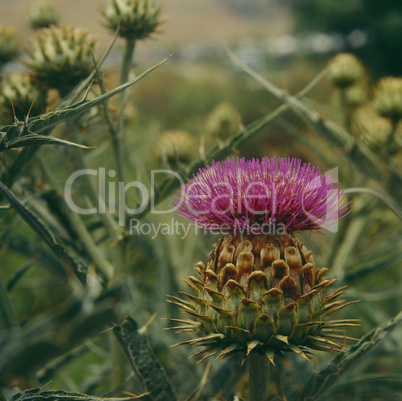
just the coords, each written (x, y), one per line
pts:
(143, 197)
(117, 194)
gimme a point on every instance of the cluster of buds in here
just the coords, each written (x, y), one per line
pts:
(42, 14)
(21, 94)
(345, 70)
(61, 56)
(175, 146)
(9, 44)
(136, 19)
(260, 290)
(224, 121)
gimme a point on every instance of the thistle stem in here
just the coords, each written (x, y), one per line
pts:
(127, 60)
(8, 318)
(258, 377)
(347, 114)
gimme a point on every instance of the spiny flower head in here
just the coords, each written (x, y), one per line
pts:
(61, 56)
(258, 291)
(253, 194)
(136, 19)
(21, 94)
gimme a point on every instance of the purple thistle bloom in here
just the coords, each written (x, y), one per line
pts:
(250, 194)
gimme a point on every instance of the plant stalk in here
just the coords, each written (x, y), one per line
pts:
(118, 358)
(127, 60)
(8, 318)
(258, 377)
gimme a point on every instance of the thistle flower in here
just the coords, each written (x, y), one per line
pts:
(175, 146)
(61, 56)
(388, 98)
(254, 193)
(137, 18)
(21, 93)
(42, 14)
(261, 292)
(9, 44)
(345, 70)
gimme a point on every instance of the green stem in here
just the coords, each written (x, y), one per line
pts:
(392, 146)
(8, 318)
(347, 114)
(258, 377)
(117, 359)
(120, 273)
(127, 60)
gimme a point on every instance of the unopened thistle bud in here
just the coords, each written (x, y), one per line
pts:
(9, 44)
(345, 70)
(42, 14)
(176, 146)
(22, 94)
(371, 128)
(354, 96)
(61, 57)
(260, 290)
(388, 98)
(224, 121)
(137, 18)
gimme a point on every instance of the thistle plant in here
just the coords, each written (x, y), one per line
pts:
(260, 293)
(61, 57)
(134, 20)
(88, 241)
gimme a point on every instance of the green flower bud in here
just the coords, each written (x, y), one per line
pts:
(61, 56)
(261, 293)
(354, 96)
(224, 121)
(21, 92)
(388, 98)
(371, 128)
(42, 14)
(176, 146)
(138, 18)
(345, 70)
(9, 44)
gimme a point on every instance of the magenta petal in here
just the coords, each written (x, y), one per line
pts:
(249, 194)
